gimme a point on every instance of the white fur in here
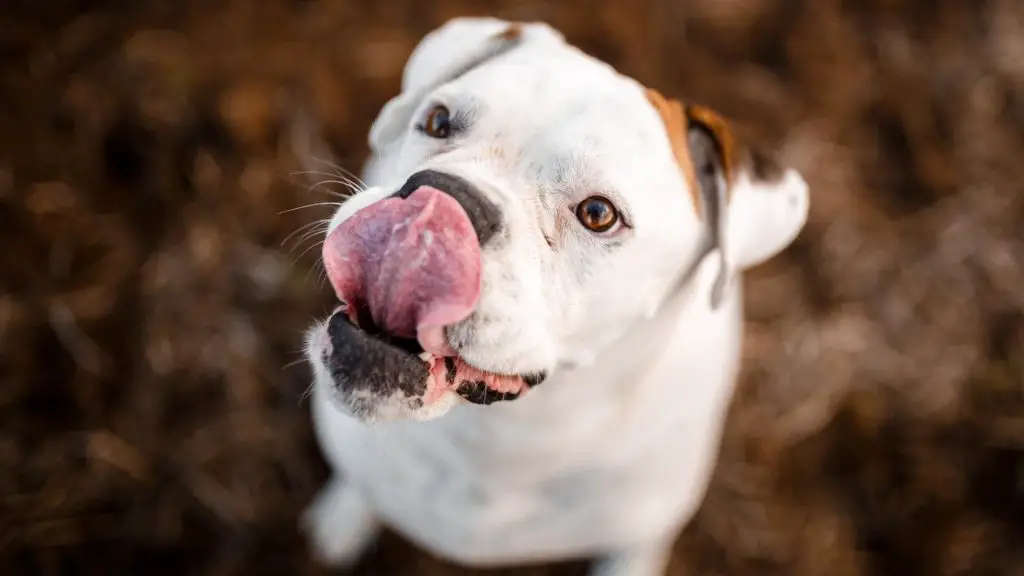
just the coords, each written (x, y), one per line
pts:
(611, 455)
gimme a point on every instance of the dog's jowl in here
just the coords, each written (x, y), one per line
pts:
(531, 215)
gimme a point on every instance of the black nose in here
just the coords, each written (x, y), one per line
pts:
(483, 214)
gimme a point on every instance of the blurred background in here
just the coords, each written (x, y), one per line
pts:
(155, 279)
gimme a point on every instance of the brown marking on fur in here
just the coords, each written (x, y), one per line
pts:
(502, 43)
(733, 154)
(513, 32)
(676, 125)
(723, 136)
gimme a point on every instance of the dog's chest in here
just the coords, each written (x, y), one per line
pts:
(554, 473)
(476, 489)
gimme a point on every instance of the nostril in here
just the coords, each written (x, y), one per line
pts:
(483, 214)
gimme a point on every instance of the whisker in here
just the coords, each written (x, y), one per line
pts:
(298, 230)
(294, 260)
(347, 178)
(306, 278)
(319, 186)
(314, 228)
(302, 247)
(307, 392)
(312, 246)
(340, 178)
(307, 250)
(313, 205)
(332, 175)
(338, 172)
(343, 196)
(352, 188)
(318, 231)
(321, 281)
(341, 170)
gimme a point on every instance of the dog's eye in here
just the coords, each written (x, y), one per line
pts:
(438, 122)
(597, 214)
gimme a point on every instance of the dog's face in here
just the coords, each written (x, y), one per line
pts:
(527, 203)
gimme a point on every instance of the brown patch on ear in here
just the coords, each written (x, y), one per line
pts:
(722, 133)
(513, 32)
(677, 124)
(502, 43)
(736, 155)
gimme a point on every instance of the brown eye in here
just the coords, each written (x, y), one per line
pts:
(437, 123)
(597, 214)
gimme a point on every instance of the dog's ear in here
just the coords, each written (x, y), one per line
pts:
(442, 56)
(752, 206)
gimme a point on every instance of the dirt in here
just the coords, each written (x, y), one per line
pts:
(156, 277)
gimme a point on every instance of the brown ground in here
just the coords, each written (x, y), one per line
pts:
(151, 307)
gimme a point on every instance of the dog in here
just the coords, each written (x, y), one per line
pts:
(540, 316)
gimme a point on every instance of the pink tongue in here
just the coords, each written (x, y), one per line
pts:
(413, 264)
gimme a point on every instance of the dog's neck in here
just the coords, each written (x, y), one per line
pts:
(699, 285)
(631, 353)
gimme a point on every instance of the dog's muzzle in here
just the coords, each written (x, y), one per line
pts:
(407, 268)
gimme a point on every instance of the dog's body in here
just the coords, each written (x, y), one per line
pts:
(540, 478)
(610, 455)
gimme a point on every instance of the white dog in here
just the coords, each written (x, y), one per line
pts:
(539, 229)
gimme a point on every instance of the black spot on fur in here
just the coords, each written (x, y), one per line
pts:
(535, 379)
(479, 393)
(450, 371)
(363, 362)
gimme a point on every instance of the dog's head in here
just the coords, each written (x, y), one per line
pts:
(527, 203)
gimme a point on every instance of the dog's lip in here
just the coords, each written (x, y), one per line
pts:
(440, 348)
(474, 392)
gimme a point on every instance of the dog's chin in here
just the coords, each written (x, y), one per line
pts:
(377, 377)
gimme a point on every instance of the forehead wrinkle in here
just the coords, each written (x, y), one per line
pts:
(585, 143)
(568, 165)
(575, 159)
(505, 80)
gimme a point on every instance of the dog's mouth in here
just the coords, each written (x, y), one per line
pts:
(405, 269)
(357, 339)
